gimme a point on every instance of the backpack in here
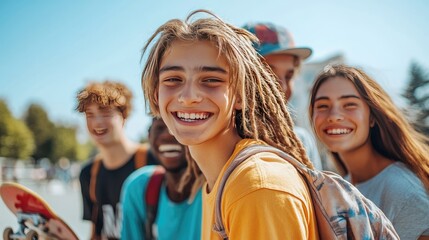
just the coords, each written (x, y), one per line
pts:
(140, 160)
(341, 211)
(151, 199)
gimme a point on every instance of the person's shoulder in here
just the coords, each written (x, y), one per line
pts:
(401, 180)
(269, 171)
(140, 176)
(85, 170)
(405, 191)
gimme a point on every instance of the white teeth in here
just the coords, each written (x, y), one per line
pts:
(192, 116)
(100, 131)
(170, 150)
(169, 147)
(338, 131)
(171, 154)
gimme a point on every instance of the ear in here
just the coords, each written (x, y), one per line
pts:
(371, 121)
(155, 98)
(238, 104)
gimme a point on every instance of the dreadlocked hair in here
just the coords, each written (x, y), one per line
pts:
(264, 115)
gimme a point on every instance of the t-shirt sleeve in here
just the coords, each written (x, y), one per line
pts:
(268, 214)
(133, 203)
(84, 179)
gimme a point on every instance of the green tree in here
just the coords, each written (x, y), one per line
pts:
(85, 151)
(417, 95)
(16, 140)
(42, 128)
(64, 143)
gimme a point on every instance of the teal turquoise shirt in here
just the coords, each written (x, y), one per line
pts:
(174, 220)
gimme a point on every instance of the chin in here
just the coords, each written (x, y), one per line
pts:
(175, 169)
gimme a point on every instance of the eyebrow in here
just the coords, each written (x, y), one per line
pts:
(199, 69)
(342, 97)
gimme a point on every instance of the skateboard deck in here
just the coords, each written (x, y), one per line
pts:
(36, 218)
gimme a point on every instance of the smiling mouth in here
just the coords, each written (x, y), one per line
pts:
(170, 150)
(338, 131)
(100, 131)
(192, 117)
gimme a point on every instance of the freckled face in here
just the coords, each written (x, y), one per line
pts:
(341, 117)
(195, 98)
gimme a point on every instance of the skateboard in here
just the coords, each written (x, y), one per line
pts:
(35, 217)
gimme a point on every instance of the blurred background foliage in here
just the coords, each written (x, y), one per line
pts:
(417, 97)
(36, 137)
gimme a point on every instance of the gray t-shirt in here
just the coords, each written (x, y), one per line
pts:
(310, 146)
(400, 194)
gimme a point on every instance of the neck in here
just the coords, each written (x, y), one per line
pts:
(117, 154)
(172, 181)
(212, 155)
(364, 163)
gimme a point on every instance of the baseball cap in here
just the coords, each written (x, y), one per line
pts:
(275, 39)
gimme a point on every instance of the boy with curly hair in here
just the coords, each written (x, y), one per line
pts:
(106, 106)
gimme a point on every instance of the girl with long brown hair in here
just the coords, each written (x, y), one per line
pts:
(374, 144)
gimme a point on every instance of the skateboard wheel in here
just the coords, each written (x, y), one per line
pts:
(7, 233)
(32, 235)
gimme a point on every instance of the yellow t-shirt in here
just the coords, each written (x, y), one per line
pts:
(264, 198)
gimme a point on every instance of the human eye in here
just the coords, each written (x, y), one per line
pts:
(320, 106)
(350, 105)
(107, 114)
(213, 81)
(289, 75)
(171, 81)
(159, 129)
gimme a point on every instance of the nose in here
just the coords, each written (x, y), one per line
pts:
(98, 118)
(189, 94)
(335, 115)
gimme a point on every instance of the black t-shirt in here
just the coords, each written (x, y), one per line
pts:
(107, 191)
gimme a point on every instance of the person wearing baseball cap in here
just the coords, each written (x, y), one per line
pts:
(277, 47)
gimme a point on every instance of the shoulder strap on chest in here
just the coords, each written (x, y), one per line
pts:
(93, 179)
(141, 156)
(151, 199)
(334, 199)
(139, 161)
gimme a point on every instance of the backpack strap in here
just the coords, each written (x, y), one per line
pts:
(151, 199)
(140, 159)
(323, 186)
(93, 179)
(92, 184)
(243, 155)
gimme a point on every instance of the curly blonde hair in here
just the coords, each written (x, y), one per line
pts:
(106, 94)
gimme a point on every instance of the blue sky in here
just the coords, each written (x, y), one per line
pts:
(50, 49)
